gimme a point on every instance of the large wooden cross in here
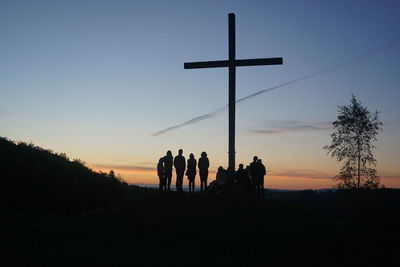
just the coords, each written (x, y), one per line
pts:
(232, 63)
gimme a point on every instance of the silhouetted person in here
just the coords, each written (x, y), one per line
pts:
(204, 163)
(222, 178)
(253, 173)
(168, 159)
(191, 171)
(180, 166)
(231, 176)
(161, 175)
(243, 180)
(248, 185)
(261, 171)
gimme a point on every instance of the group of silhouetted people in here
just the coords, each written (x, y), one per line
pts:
(248, 181)
(164, 171)
(252, 178)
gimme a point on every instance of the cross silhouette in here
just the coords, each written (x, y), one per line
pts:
(232, 63)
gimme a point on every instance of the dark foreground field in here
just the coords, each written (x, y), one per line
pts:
(164, 229)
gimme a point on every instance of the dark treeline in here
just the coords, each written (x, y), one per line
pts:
(33, 177)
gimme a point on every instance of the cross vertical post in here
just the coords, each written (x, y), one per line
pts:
(232, 63)
(232, 90)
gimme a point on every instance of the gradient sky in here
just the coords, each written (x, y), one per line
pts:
(95, 79)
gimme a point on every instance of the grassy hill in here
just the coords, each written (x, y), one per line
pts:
(35, 178)
(119, 225)
(158, 228)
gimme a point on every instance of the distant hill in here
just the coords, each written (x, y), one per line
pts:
(32, 177)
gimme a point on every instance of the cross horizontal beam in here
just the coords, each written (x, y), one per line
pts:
(259, 61)
(206, 64)
(237, 63)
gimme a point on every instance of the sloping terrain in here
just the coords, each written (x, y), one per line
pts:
(58, 212)
(35, 178)
(156, 229)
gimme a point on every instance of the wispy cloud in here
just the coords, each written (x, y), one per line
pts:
(129, 168)
(312, 174)
(216, 112)
(300, 174)
(282, 127)
(277, 173)
(191, 121)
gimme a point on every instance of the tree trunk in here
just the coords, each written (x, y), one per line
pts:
(359, 164)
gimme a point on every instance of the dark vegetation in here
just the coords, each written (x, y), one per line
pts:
(356, 130)
(133, 226)
(35, 178)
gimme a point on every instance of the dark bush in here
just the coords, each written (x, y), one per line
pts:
(35, 178)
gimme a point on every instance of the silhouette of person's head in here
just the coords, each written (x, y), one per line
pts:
(160, 160)
(203, 154)
(220, 169)
(180, 151)
(191, 156)
(241, 166)
(169, 153)
(255, 158)
(259, 161)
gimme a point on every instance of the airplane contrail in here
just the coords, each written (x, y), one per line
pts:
(224, 108)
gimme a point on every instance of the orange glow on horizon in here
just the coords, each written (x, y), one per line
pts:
(149, 176)
(296, 183)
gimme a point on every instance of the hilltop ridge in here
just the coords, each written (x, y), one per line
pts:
(34, 177)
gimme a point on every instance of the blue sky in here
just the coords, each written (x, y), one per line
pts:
(95, 79)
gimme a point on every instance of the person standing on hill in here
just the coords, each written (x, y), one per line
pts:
(261, 171)
(253, 174)
(221, 178)
(204, 163)
(161, 176)
(243, 181)
(248, 185)
(180, 166)
(168, 159)
(191, 171)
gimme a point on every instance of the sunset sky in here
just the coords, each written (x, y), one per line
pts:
(97, 79)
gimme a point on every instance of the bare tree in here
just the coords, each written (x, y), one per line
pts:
(356, 129)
